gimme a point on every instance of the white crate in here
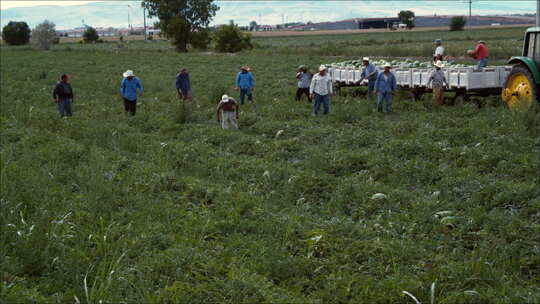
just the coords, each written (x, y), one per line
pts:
(349, 78)
(453, 78)
(416, 77)
(503, 73)
(424, 76)
(403, 77)
(472, 79)
(357, 75)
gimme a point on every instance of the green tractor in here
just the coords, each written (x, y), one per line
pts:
(522, 85)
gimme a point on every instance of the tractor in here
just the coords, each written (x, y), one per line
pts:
(522, 85)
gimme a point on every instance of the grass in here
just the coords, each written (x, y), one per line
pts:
(166, 207)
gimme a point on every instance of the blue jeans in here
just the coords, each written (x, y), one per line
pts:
(371, 88)
(243, 93)
(64, 107)
(317, 105)
(482, 63)
(382, 98)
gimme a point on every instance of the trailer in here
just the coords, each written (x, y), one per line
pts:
(465, 82)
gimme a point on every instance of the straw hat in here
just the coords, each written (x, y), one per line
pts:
(225, 98)
(387, 65)
(365, 59)
(322, 68)
(128, 73)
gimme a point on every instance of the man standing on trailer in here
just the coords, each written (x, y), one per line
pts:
(384, 88)
(480, 53)
(370, 73)
(439, 51)
(439, 83)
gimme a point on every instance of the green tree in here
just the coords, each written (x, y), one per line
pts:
(457, 23)
(407, 17)
(90, 35)
(16, 33)
(182, 20)
(229, 38)
(44, 35)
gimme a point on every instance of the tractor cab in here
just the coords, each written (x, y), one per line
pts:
(522, 85)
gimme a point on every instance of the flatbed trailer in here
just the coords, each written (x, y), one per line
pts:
(465, 82)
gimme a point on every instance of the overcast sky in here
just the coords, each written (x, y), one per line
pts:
(69, 14)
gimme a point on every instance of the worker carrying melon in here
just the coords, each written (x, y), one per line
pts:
(370, 73)
(439, 51)
(480, 53)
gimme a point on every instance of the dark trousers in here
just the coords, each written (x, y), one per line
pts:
(64, 107)
(130, 106)
(246, 92)
(302, 91)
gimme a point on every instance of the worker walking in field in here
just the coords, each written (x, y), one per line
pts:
(320, 90)
(439, 51)
(385, 85)
(128, 90)
(438, 80)
(480, 53)
(370, 73)
(63, 96)
(304, 81)
(183, 85)
(245, 82)
(227, 111)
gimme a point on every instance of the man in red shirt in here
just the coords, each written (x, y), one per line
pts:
(480, 53)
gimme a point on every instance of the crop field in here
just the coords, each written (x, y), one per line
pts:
(166, 207)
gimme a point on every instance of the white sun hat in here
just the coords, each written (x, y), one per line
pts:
(322, 68)
(387, 65)
(128, 73)
(439, 64)
(365, 59)
(225, 98)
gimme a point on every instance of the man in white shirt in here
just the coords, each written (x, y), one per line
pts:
(439, 51)
(320, 90)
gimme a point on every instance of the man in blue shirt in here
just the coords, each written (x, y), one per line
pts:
(245, 83)
(370, 73)
(128, 90)
(183, 86)
(385, 85)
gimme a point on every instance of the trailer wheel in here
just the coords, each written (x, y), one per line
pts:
(520, 89)
(460, 99)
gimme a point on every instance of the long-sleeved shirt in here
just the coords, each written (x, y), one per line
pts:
(480, 52)
(245, 80)
(368, 70)
(63, 91)
(128, 88)
(321, 85)
(385, 84)
(182, 82)
(304, 79)
(437, 78)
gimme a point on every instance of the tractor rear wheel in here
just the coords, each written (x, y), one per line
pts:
(520, 90)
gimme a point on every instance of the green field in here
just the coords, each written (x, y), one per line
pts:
(165, 207)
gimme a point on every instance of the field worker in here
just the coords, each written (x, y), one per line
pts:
(128, 90)
(227, 111)
(384, 88)
(480, 53)
(438, 80)
(63, 96)
(370, 73)
(245, 83)
(439, 51)
(304, 81)
(183, 86)
(320, 90)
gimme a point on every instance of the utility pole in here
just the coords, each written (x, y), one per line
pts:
(470, 13)
(537, 12)
(144, 18)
